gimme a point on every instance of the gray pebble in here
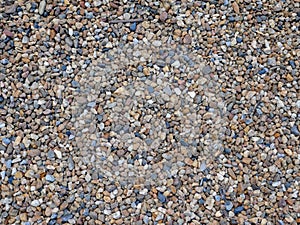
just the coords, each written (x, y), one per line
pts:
(50, 178)
(206, 70)
(295, 130)
(69, 41)
(42, 7)
(70, 163)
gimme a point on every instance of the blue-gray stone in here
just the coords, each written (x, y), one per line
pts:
(50, 154)
(161, 197)
(140, 68)
(226, 2)
(91, 104)
(203, 166)
(70, 163)
(146, 219)
(228, 205)
(227, 150)
(295, 130)
(4, 61)
(75, 84)
(66, 217)
(238, 209)
(280, 222)
(133, 26)
(248, 121)
(218, 198)
(50, 178)
(89, 15)
(8, 164)
(6, 141)
(150, 89)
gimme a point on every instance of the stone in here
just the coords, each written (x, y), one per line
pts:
(50, 178)
(42, 7)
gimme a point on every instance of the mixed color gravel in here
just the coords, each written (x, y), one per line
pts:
(150, 112)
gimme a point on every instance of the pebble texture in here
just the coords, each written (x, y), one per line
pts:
(149, 112)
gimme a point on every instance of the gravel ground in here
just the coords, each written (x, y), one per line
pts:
(149, 112)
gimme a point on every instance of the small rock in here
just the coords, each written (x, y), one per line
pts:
(88, 177)
(161, 197)
(156, 43)
(6, 141)
(42, 7)
(70, 163)
(132, 27)
(35, 203)
(235, 7)
(163, 16)
(203, 166)
(58, 154)
(206, 70)
(10, 9)
(210, 203)
(25, 40)
(295, 130)
(187, 39)
(238, 209)
(50, 178)
(228, 205)
(69, 41)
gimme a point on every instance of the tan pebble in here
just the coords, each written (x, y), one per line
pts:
(189, 161)
(23, 216)
(17, 141)
(288, 152)
(18, 175)
(48, 211)
(246, 160)
(239, 79)
(106, 199)
(63, 206)
(33, 153)
(290, 201)
(173, 189)
(235, 7)
(231, 173)
(146, 71)
(289, 77)
(119, 221)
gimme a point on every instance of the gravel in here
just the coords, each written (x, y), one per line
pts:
(149, 112)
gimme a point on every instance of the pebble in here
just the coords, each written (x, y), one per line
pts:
(161, 197)
(238, 209)
(50, 178)
(228, 205)
(295, 130)
(42, 7)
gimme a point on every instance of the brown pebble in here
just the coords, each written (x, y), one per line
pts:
(246, 160)
(235, 7)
